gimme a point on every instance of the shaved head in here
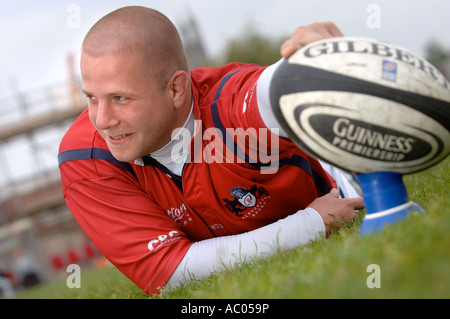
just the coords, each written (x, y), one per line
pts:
(136, 79)
(139, 30)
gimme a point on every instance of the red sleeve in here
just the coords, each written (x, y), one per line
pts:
(230, 99)
(236, 101)
(127, 226)
(232, 104)
(122, 220)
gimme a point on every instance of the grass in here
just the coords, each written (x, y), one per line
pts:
(413, 256)
(105, 283)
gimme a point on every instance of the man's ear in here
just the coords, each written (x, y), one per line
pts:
(180, 88)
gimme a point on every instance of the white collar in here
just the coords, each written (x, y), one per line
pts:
(174, 162)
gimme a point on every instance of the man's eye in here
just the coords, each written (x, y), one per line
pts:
(120, 98)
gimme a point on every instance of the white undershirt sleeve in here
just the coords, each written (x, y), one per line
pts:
(263, 100)
(216, 254)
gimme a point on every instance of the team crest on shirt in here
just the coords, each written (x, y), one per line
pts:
(246, 203)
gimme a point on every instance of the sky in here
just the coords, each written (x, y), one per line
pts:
(36, 36)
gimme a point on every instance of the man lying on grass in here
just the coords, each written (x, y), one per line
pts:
(175, 172)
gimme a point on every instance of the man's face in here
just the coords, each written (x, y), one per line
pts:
(132, 112)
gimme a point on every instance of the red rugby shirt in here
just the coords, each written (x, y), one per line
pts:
(143, 219)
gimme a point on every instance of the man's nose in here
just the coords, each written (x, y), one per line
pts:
(106, 116)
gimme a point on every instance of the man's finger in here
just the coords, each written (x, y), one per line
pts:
(308, 34)
(287, 49)
(334, 193)
(333, 30)
(301, 37)
(357, 202)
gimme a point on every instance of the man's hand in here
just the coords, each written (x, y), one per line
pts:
(305, 35)
(336, 211)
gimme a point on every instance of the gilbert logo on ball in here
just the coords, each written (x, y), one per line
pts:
(368, 107)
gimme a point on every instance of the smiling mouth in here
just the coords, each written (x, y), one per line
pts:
(120, 137)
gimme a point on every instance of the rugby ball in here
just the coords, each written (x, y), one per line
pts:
(364, 105)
